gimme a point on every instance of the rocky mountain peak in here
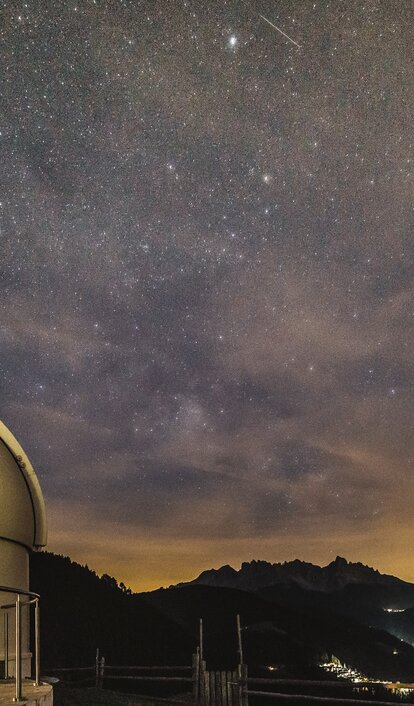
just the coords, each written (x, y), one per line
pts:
(257, 574)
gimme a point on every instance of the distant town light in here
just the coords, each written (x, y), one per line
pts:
(394, 610)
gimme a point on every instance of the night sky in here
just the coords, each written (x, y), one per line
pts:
(207, 341)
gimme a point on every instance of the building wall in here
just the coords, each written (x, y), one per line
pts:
(14, 573)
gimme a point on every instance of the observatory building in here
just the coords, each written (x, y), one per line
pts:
(22, 529)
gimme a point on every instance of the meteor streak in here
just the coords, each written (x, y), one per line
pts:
(279, 30)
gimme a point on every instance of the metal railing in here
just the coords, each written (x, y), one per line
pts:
(33, 599)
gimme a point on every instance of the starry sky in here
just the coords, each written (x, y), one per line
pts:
(206, 291)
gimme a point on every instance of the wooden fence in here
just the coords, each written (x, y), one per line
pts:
(209, 687)
(218, 688)
(101, 672)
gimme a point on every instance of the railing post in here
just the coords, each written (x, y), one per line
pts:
(6, 643)
(37, 642)
(18, 696)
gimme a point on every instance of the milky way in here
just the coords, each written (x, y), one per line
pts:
(206, 278)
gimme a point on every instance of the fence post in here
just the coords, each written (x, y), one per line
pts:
(235, 687)
(97, 668)
(224, 688)
(244, 694)
(101, 672)
(229, 688)
(206, 699)
(201, 640)
(239, 639)
(240, 665)
(239, 685)
(212, 694)
(196, 676)
(202, 682)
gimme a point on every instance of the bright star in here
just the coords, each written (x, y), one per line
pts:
(232, 41)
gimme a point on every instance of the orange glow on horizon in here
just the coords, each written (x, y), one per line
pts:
(149, 563)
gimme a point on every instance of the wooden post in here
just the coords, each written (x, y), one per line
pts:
(239, 668)
(203, 671)
(196, 676)
(219, 694)
(235, 688)
(223, 689)
(239, 640)
(206, 701)
(229, 686)
(245, 696)
(212, 688)
(97, 668)
(201, 639)
(239, 685)
(101, 672)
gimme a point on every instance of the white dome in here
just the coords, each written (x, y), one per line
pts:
(22, 508)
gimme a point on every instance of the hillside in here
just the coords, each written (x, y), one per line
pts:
(81, 611)
(383, 607)
(277, 633)
(341, 588)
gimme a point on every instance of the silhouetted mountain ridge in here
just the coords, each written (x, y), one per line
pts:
(256, 575)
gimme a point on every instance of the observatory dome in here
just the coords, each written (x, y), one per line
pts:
(22, 508)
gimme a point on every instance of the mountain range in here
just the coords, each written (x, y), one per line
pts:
(341, 588)
(256, 575)
(294, 615)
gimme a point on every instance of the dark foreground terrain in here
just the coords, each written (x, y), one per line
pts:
(282, 624)
(64, 696)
